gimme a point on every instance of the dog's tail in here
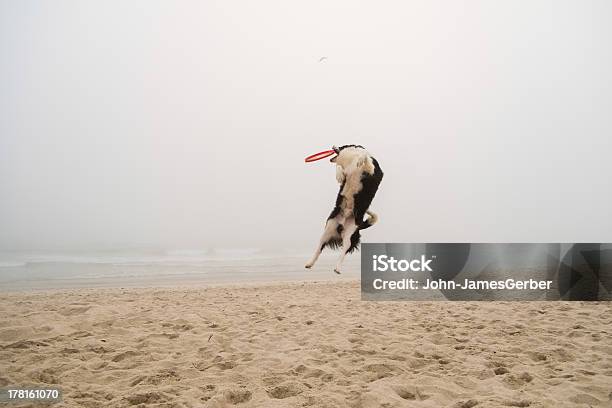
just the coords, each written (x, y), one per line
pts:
(371, 220)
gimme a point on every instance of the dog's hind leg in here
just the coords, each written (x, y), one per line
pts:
(331, 228)
(349, 229)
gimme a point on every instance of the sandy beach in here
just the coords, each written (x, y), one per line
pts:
(303, 345)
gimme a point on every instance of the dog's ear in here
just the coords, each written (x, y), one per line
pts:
(365, 164)
(362, 161)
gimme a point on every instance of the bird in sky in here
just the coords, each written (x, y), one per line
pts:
(322, 59)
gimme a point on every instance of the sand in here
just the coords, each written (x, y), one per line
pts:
(303, 345)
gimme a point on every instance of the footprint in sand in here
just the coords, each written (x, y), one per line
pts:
(147, 398)
(224, 363)
(71, 311)
(537, 356)
(46, 376)
(209, 391)
(25, 344)
(164, 376)
(519, 403)
(170, 336)
(377, 371)
(95, 396)
(179, 327)
(126, 354)
(286, 390)
(585, 399)
(404, 393)
(273, 379)
(97, 349)
(501, 371)
(466, 404)
(516, 382)
(308, 372)
(237, 395)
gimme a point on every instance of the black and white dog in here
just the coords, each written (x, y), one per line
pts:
(359, 176)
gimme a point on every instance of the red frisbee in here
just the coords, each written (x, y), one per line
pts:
(319, 156)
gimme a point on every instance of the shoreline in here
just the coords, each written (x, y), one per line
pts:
(186, 287)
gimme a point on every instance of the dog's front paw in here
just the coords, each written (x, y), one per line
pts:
(308, 265)
(337, 270)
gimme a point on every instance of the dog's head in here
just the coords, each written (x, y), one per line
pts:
(353, 158)
(340, 149)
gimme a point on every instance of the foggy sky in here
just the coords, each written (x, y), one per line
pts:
(185, 124)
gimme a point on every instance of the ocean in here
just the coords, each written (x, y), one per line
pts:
(162, 268)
